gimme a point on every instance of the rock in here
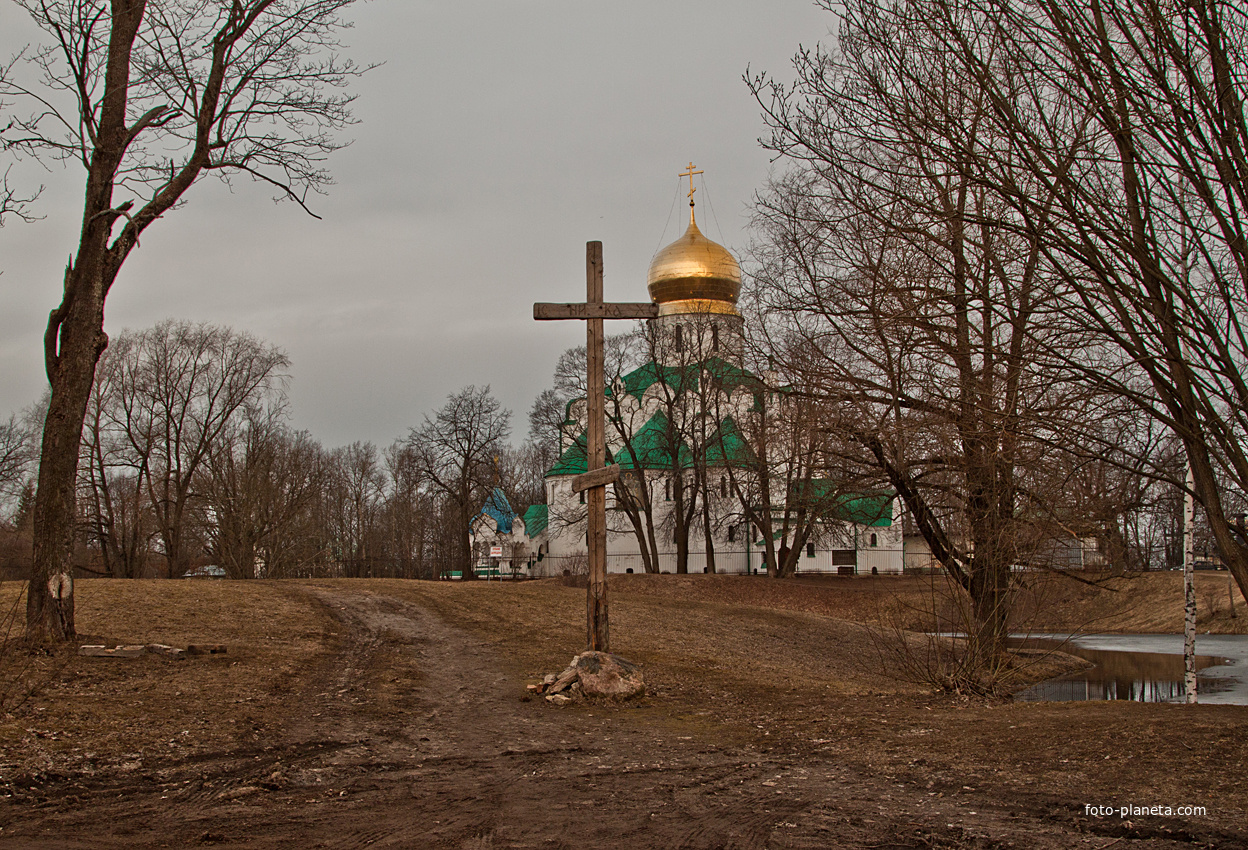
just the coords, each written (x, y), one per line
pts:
(602, 674)
(210, 649)
(566, 678)
(596, 675)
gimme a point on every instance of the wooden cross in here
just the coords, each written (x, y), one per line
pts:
(598, 475)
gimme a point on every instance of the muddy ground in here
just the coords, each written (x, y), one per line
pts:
(394, 714)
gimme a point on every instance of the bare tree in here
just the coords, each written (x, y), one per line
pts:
(456, 451)
(149, 97)
(16, 453)
(774, 461)
(934, 339)
(521, 474)
(409, 513)
(11, 203)
(117, 451)
(1152, 235)
(167, 399)
(1121, 134)
(259, 497)
(546, 419)
(354, 505)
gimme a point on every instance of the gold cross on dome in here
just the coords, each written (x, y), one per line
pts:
(689, 172)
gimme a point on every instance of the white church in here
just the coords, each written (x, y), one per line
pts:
(682, 427)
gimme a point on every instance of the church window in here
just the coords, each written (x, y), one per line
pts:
(714, 337)
(680, 337)
(732, 534)
(723, 486)
(582, 497)
(667, 489)
(810, 550)
(874, 539)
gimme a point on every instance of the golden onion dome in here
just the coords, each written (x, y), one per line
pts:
(694, 274)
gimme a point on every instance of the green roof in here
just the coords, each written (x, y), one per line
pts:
(685, 378)
(650, 448)
(639, 380)
(870, 509)
(536, 519)
(726, 447)
(729, 375)
(875, 511)
(572, 461)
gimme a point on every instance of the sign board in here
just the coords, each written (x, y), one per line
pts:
(496, 551)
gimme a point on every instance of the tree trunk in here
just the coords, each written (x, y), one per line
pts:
(78, 327)
(678, 520)
(708, 531)
(72, 345)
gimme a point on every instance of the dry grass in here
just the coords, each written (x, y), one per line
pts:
(1137, 603)
(771, 671)
(105, 710)
(1149, 603)
(720, 640)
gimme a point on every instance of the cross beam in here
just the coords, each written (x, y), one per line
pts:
(597, 475)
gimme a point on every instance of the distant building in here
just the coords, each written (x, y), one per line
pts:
(698, 354)
(205, 571)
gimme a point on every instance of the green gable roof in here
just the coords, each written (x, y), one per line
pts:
(650, 448)
(727, 447)
(685, 378)
(639, 380)
(730, 376)
(875, 511)
(870, 509)
(573, 460)
(535, 519)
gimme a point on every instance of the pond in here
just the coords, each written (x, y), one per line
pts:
(1145, 668)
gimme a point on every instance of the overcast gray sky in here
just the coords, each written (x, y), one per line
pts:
(497, 138)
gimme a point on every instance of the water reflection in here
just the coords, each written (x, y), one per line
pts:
(1144, 668)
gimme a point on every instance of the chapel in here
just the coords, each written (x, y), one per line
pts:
(684, 428)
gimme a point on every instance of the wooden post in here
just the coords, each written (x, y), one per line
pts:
(597, 629)
(593, 311)
(1189, 589)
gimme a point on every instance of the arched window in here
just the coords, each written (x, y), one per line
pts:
(714, 337)
(723, 486)
(667, 489)
(680, 337)
(874, 539)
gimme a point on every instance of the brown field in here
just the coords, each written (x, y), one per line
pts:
(394, 714)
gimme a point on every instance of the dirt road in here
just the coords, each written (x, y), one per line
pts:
(413, 732)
